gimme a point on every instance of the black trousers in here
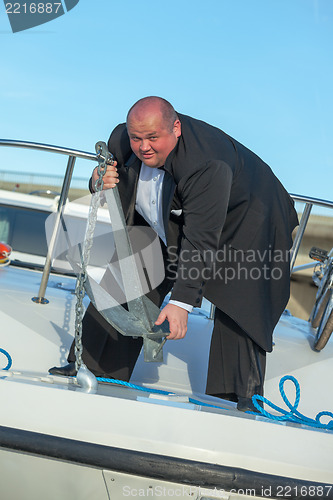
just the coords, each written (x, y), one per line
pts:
(106, 352)
(236, 363)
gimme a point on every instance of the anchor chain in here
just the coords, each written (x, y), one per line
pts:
(107, 159)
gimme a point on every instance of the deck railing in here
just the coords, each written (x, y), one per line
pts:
(72, 154)
(309, 202)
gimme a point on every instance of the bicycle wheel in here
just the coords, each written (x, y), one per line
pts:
(325, 327)
(319, 308)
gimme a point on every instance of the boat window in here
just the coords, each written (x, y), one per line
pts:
(23, 229)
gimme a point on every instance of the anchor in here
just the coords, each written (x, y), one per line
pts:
(139, 319)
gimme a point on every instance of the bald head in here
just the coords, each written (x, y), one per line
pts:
(153, 105)
(153, 128)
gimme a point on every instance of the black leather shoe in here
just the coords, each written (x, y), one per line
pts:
(65, 371)
(246, 404)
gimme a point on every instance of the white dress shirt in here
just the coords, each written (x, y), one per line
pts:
(149, 198)
(149, 204)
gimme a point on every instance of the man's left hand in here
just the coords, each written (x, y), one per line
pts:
(177, 317)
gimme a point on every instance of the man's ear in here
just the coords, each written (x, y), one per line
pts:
(177, 128)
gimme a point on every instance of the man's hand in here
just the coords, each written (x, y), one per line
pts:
(177, 317)
(110, 177)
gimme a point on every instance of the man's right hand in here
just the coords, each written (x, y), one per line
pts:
(110, 177)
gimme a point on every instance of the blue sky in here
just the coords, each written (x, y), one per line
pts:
(259, 69)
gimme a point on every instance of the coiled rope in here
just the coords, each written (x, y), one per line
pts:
(9, 359)
(293, 415)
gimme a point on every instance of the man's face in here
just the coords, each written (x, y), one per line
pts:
(151, 140)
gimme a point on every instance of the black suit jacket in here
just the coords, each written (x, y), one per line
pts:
(233, 237)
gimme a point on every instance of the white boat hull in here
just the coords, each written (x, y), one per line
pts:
(121, 439)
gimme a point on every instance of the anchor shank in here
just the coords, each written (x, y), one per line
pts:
(131, 280)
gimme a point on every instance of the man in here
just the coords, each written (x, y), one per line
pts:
(221, 212)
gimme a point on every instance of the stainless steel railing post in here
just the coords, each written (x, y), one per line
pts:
(40, 299)
(299, 234)
(72, 155)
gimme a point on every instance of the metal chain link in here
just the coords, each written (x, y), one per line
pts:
(85, 254)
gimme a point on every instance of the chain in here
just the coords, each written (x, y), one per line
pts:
(101, 169)
(85, 253)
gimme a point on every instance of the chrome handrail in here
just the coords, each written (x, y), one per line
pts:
(49, 149)
(72, 155)
(314, 201)
(309, 202)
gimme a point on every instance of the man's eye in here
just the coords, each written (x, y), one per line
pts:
(153, 138)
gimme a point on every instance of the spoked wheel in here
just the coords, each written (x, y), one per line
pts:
(319, 308)
(325, 327)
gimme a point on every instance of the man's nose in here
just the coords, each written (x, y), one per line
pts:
(145, 146)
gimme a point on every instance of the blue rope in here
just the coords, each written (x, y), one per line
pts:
(10, 362)
(152, 391)
(133, 386)
(293, 415)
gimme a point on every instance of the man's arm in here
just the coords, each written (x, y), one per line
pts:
(205, 203)
(205, 199)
